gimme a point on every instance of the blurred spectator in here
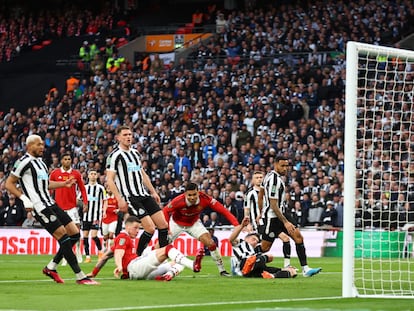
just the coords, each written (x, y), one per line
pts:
(157, 64)
(230, 205)
(87, 52)
(315, 211)
(182, 163)
(213, 221)
(221, 23)
(14, 212)
(329, 216)
(31, 222)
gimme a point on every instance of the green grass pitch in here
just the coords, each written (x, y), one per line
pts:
(24, 287)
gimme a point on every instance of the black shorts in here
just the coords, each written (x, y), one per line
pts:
(143, 206)
(273, 227)
(89, 225)
(52, 218)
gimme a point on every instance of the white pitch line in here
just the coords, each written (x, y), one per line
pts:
(186, 305)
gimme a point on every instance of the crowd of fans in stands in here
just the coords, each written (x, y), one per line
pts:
(20, 29)
(270, 81)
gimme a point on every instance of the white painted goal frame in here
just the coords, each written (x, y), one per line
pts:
(369, 270)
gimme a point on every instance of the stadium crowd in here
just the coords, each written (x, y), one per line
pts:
(22, 29)
(270, 81)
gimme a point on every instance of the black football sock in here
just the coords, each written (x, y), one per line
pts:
(300, 250)
(144, 240)
(98, 243)
(286, 249)
(163, 237)
(66, 249)
(73, 239)
(86, 246)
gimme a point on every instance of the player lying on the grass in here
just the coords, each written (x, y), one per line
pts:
(248, 260)
(150, 265)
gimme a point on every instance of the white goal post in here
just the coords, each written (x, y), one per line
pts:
(379, 172)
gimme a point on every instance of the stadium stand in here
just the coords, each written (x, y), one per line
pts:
(270, 81)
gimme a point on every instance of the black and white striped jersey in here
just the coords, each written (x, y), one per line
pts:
(96, 196)
(274, 188)
(251, 203)
(33, 177)
(128, 166)
(240, 251)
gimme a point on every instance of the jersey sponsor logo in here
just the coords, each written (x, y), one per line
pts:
(42, 176)
(122, 241)
(133, 167)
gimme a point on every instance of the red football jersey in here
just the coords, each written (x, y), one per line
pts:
(111, 214)
(124, 241)
(186, 215)
(66, 197)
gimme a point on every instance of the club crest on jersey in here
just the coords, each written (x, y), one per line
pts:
(16, 164)
(122, 241)
(108, 161)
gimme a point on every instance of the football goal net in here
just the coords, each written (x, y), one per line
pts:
(379, 172)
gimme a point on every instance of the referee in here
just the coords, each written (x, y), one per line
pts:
(133, 189)
(31, 173)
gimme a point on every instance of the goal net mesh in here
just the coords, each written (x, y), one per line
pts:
(384, 172)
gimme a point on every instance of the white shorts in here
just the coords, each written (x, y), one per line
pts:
(107, 228)
(196, 230)
(74, 214)
(142, 268)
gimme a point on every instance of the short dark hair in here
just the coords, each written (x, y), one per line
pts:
(132, 219)
(191, 186)
(281, 158)
(253, 234)
(65, 154)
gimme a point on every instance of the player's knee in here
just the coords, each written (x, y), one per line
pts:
(64, 239)
(285, 239)
(75, 237)
(149, 228)
(298, 240)
(212, 246)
